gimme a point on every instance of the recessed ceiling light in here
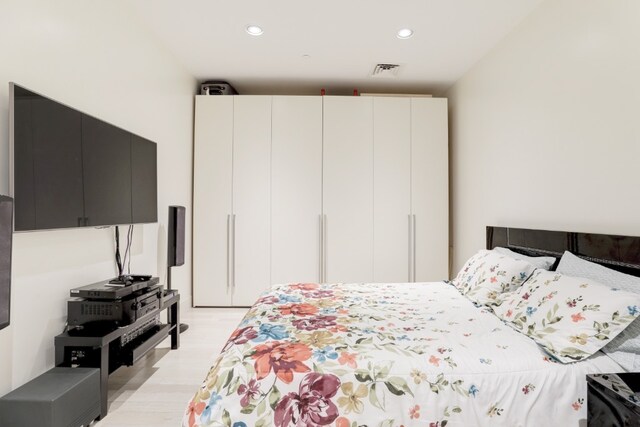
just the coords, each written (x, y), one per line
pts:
(254, 30)
(404, 33)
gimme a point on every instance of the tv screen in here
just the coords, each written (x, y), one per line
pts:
(73, 170)
(6, 219)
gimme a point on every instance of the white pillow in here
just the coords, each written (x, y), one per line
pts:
(625, 348)
(572, 318)
(489, 274)
(544, 262)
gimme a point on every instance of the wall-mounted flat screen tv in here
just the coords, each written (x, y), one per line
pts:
(69, 169)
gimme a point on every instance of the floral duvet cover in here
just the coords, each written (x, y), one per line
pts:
(388, 355)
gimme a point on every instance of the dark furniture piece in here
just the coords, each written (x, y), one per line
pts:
(621, 253)
(613, 399)
(61, 397)
(104, 350)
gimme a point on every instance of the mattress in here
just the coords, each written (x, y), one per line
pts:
(410, 354)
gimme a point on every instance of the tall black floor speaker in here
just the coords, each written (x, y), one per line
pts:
(175, 244)
(175, 255)
(6, 238)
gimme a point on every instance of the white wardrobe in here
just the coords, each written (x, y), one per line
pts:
(317, 189)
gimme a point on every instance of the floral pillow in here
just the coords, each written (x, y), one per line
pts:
(571, 317)
(625, 348)
(463, 279)
(489, 274)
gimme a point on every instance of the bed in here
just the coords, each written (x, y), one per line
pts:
(400, 354)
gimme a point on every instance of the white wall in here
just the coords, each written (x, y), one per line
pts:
(545, 130)
(93, 56)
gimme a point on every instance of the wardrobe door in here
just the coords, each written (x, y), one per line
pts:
(391, 189)
(296, 188)
(348, 188)
(212, 178)
(430, 188)
(251, 223)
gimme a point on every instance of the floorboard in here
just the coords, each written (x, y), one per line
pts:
(156, 390)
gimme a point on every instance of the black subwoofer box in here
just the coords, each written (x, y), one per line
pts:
(61, 397)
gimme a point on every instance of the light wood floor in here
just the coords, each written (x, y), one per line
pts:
(156, 390)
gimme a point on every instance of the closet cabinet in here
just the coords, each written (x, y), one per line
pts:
(296, 189)
(250, 265)
(430, 189)
(257, 195)
(232, 206)
(347, 189)
(411, 192)
(212, 201)
(391, 189)
(317, 189)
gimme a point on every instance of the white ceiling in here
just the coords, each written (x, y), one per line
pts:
(344, 39)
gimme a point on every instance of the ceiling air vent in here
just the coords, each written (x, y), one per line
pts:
(385, 70)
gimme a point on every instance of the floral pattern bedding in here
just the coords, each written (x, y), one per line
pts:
(388, 355)
(571, 317)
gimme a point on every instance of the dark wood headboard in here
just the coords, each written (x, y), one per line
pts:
(620, 253)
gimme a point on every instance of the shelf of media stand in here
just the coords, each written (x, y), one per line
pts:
(103, 350)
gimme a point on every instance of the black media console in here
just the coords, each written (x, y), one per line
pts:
(111, 346)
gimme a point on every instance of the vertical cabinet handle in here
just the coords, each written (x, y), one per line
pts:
(324, 248)
(228, 252)
(410, 249)
(233, 252)
(413, 266)
(320, 248)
